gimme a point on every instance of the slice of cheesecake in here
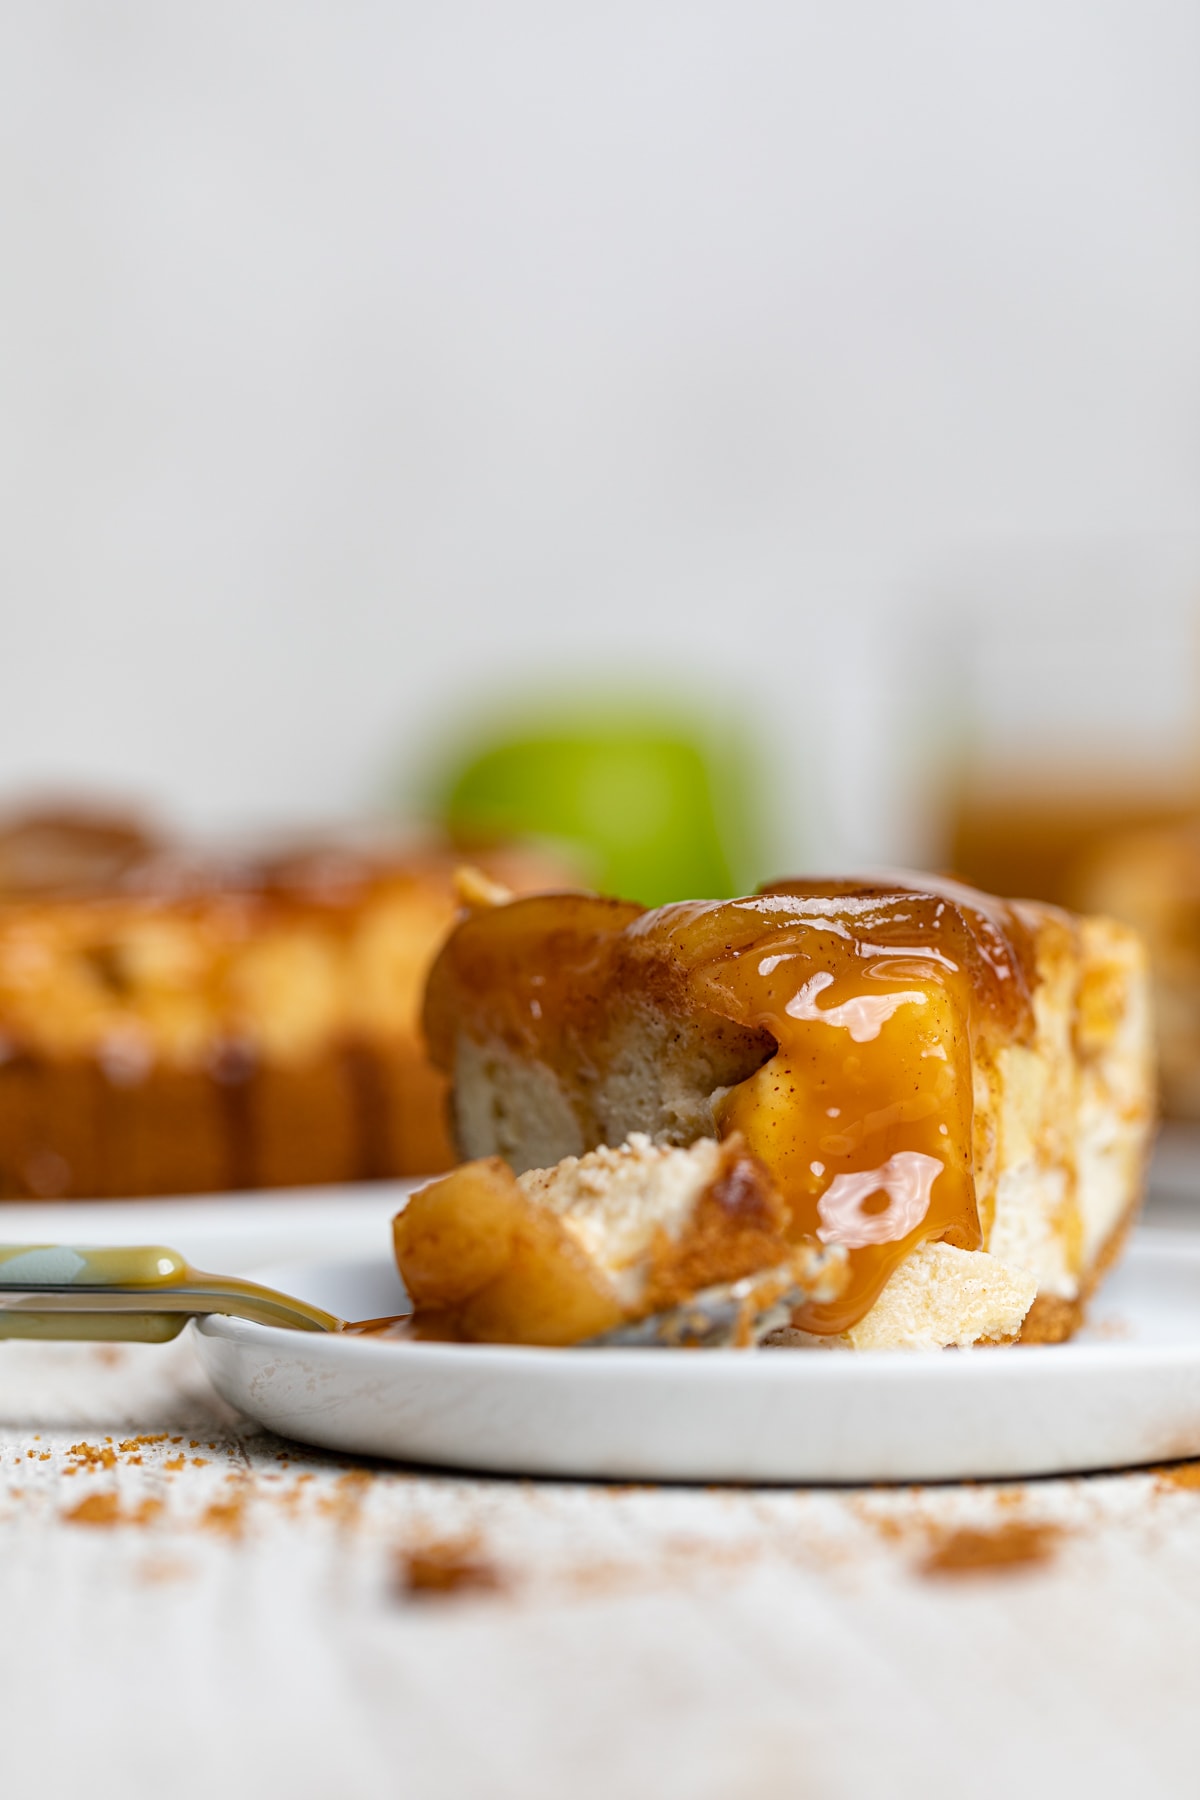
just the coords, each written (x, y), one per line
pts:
(955, 1091)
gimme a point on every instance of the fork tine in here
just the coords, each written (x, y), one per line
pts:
(731, 1313)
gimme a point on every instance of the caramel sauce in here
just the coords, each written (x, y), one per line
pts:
(538, 972)
(874, 996)
(397, 1325)
(864, 1114)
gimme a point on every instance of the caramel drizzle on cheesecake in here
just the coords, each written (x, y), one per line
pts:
(864, 1113)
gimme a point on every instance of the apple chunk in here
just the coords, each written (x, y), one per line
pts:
(483, 1263)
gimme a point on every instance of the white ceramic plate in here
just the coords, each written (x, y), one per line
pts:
(1126, 1392)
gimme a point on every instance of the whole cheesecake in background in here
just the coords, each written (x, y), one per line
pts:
(955, 1092)
(177, 1021)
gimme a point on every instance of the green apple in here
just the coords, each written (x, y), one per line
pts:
(656, 807)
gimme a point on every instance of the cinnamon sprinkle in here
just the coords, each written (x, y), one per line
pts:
(1180, 1474)
(96, 1509)
(344, 1503)
(444, 1570)
(105, 1510)
(227, 1517)
(970, 1551)
(94, 1456)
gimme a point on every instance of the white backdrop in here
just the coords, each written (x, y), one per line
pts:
(358, 358)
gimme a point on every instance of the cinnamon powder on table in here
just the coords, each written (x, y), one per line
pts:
(106, 1510)
(1013, 1545)
(1180, 1474)
(437, 1571)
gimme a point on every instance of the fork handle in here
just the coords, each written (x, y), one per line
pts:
(26, 1266)
(142, 1292)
